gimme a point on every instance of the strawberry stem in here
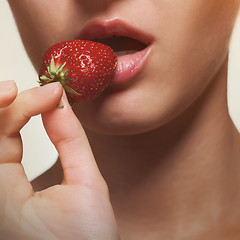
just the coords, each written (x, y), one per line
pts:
(58, 75)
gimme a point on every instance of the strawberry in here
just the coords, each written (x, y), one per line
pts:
(84, 68)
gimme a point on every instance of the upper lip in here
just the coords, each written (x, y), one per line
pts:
(115, 27)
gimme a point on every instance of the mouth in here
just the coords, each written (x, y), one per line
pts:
(122, 45)
(131, 46)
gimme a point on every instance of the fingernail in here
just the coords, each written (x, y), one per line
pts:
(6, 86)
(47, 89)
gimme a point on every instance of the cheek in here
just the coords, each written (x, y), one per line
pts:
(43, 23)
(193, 43)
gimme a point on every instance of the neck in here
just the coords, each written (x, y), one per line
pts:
(182, 176)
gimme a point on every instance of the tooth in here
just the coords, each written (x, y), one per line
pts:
(121, 53)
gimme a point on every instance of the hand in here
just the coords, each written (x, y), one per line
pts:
(79, 208)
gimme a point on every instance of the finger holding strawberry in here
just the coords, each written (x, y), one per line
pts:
(79, 208)
(15, 112)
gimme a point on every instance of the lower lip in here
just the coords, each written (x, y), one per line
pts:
(130, 65)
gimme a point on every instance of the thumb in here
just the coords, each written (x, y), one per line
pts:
(70, 140)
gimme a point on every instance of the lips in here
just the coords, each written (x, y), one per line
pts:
(131, 45)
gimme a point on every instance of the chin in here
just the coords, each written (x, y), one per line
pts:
(121, 115)
(121, 126)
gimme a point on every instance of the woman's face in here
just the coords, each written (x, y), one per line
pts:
(188, 43)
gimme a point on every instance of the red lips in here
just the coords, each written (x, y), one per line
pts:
(131, 45)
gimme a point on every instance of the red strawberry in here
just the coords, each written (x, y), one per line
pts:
(84, 68)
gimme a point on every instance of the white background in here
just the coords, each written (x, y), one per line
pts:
(39, 154)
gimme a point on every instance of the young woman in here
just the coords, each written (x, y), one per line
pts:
(156, 156)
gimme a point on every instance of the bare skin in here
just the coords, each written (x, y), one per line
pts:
(194, 202)
(171, 170)
(79, 208)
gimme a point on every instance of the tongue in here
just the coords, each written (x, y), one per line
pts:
(122, 45)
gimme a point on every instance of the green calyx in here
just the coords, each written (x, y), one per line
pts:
(57, 75)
